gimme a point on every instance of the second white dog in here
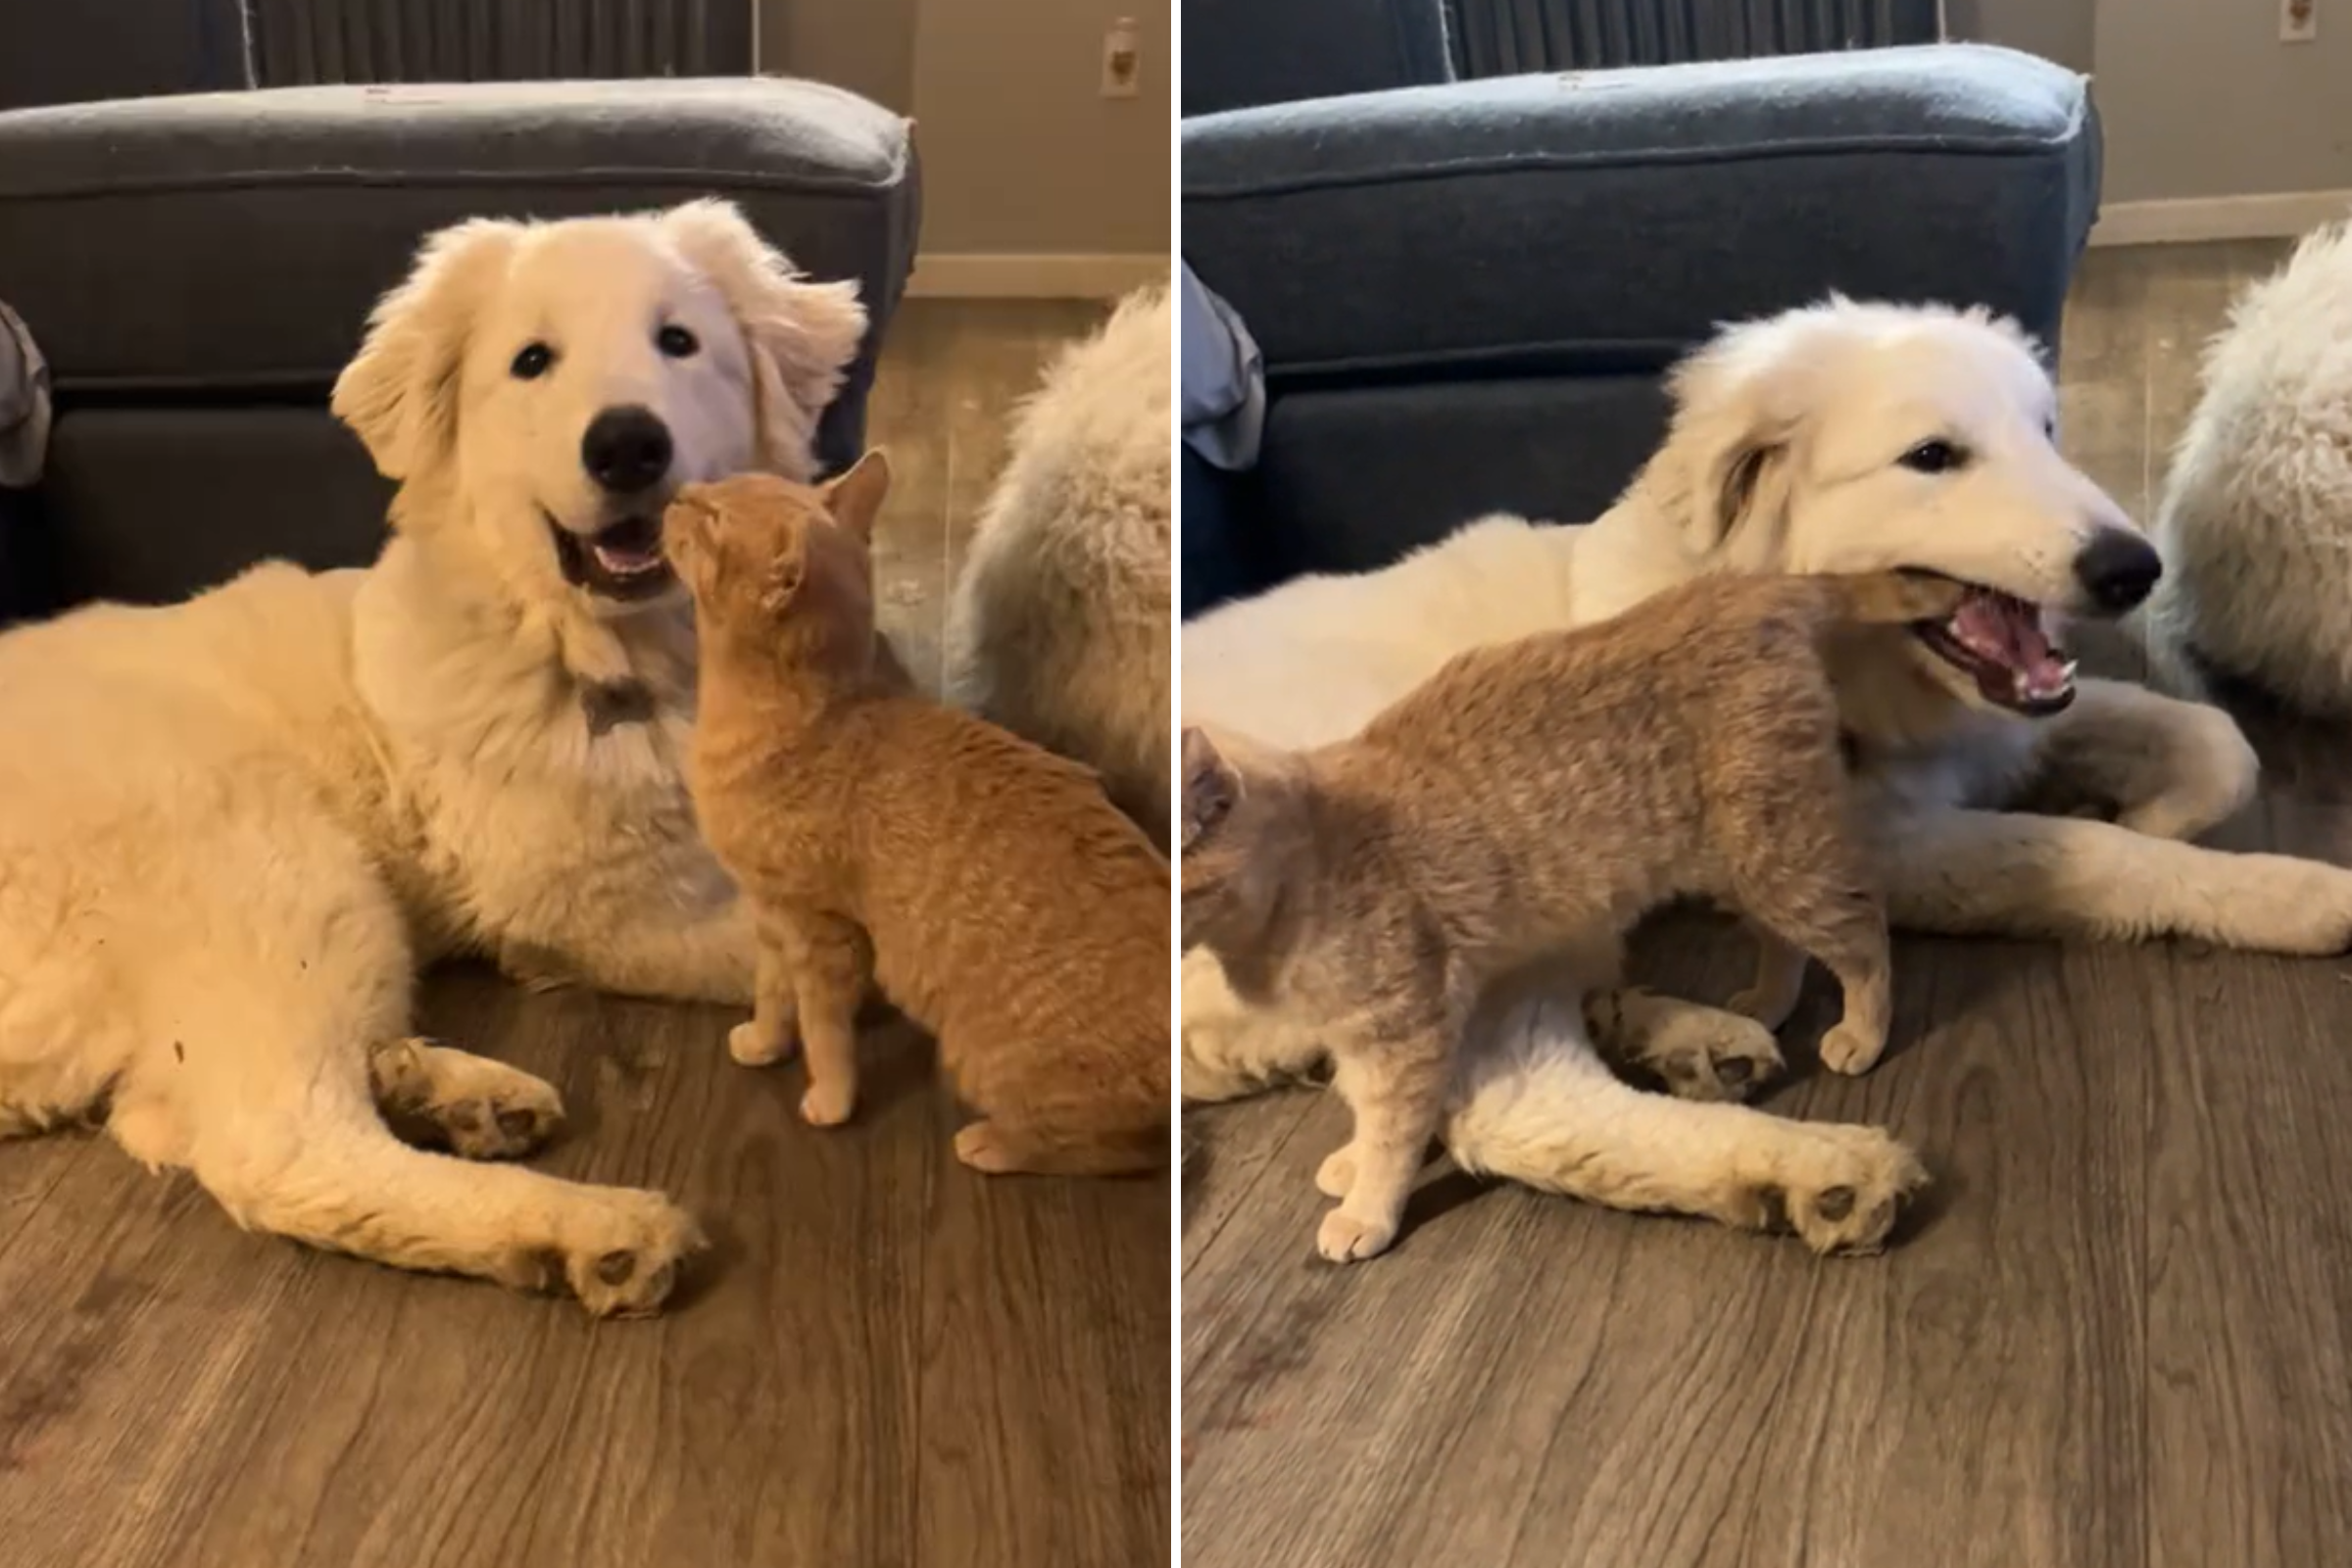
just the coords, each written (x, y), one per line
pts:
(1059, 625)
(2256, 519)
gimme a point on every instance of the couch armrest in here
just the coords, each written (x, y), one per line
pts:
(280, 215)
(1242, 53)
(1606, 221)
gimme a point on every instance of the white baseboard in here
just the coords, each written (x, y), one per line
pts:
(980, 275)
(2206, 218)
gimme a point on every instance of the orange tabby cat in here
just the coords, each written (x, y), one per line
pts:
(995, 894)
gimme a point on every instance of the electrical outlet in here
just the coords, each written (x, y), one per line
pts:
(2299, 21)
(1122, 58)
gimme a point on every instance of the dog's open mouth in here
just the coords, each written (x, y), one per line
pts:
(1997, 640)
(622, 561)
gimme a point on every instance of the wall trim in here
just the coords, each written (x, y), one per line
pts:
(994, 275)
(2282, 215)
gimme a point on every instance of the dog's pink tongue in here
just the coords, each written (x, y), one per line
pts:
(627, 562)
(1996, 626)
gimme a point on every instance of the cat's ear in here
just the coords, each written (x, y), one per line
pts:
(785, 575)
(1213, 787)
(854, 499)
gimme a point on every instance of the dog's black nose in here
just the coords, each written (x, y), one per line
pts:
(626, 449)
(2118, 570)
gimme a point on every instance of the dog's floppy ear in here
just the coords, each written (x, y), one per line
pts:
(1731, 425)
(803, 335)
(400, 392)
(1211, 788)
(854, 499)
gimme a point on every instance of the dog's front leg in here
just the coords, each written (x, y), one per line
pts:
(1536, 1106)
(2170, 769)
(1230, 1049)
(2002, 874)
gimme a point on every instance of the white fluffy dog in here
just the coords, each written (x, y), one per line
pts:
(1844, 437)
(2256, 521)
(1058, 629)
(231, 830)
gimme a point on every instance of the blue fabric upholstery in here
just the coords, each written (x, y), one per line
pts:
(1464, 293)
(197, 269)
(1588, 215)
(1240, 53)
(1215, 559)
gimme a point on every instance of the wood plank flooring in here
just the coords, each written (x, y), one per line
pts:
(2119, 1334)
(887, 1360)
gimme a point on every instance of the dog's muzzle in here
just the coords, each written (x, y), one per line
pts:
(622, 561)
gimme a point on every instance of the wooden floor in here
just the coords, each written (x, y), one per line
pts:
(888, 1362)
(2119, 1333)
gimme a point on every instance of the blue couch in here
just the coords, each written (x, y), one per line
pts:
(1465, 291)
(196, 256)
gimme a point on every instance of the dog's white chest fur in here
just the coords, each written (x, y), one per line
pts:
(518, 780)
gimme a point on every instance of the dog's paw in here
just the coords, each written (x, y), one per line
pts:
(1840, 1188)
(1707, 1054)
(1345, 1239)
(827, 1103)
(622, 1252)
(755, 1046)
(1336, 1176)
(2288, 906)
(506, 1122)
(477, 1107)
(1852, 1050)
(1772, 1002)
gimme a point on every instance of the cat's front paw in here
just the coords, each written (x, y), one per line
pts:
(1345, 1239)
(756, 1046)
(827, 1103)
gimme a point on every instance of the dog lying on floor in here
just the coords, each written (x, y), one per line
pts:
(231, 830)
(1840, 438)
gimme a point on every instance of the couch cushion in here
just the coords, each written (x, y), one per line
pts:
(1595, 220)
(1355, 477)
(148, 506)
(235, 241)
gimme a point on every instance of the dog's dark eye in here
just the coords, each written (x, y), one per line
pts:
(1933, 457)
(677, 342)
(532, 362)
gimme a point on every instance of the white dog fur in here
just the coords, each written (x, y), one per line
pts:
(1059, 628)
(1783, 454)
(231, 830)
(2256, 520)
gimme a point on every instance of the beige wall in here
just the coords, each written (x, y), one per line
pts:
(1023, 154)
(2055, 29)
(2197, 97)
(1021, 151)
(865, 46)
